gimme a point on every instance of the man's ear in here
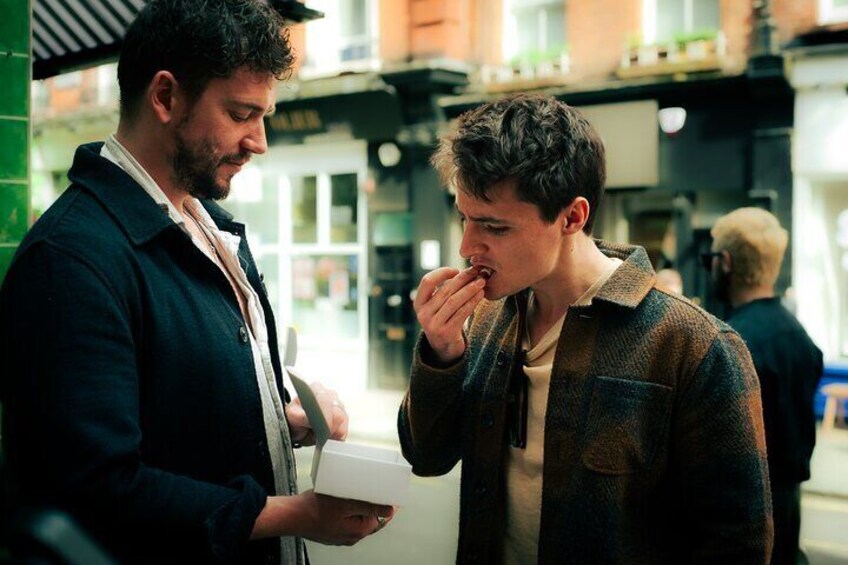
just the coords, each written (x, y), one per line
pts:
(726, 262)
(163, 93)
(575, 216)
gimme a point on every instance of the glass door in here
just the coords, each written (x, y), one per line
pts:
(311, 245)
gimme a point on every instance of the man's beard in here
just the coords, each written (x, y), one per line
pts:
(195, 169)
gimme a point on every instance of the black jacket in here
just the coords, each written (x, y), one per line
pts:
(789, 366)
(128, 383)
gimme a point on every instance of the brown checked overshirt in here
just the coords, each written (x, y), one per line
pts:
(654, 444)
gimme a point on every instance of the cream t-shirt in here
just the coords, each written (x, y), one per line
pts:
(524, 466)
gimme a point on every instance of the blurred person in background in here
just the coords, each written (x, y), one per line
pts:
(747, 252)
(142, 391)
(670, 279)
(598, 418)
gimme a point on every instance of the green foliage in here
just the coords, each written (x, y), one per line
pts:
(706, 34)
(535, 56)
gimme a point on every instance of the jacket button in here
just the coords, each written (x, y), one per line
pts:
(242, 334)
(501, 360)
(481, 489)
(488, 419)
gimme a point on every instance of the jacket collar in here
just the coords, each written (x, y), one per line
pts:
(127, 202)
(633, 279)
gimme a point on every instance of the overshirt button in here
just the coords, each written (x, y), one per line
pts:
(488, 419)
(242, 333)
(481, 489)
(501, 360)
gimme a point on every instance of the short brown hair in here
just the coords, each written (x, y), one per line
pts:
(756, 243)
(547, 148)
(199, 41)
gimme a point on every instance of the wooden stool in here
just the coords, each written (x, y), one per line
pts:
(834, 407)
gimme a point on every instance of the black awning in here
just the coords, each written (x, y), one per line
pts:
(73, 34)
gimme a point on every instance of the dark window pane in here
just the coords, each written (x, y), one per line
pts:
(305, 210)
(343, 210)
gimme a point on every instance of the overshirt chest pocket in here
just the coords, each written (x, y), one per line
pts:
(626, 426)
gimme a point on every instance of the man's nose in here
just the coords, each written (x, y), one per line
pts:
(471, 244)
(255, 141)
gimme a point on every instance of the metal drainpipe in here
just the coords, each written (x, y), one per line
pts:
(765, 31)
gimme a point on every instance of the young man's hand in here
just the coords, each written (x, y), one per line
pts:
(445, 299)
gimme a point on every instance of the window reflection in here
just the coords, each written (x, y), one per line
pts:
(325, 296)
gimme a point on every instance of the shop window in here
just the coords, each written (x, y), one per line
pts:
(673, 20)
(534, 29)
(316, 253)
(344, 39)
(833, 11)
(325, 295)
(820, 264)
(304, 210)
(323, 255)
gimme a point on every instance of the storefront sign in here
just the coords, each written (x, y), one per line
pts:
(370, 115)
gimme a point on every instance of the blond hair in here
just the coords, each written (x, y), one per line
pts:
(756, 244)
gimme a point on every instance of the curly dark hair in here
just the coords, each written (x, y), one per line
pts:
(198, 40)
(551, 152)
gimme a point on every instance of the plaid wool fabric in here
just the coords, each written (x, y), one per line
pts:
(654, 442)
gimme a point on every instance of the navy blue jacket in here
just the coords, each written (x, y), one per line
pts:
(789, 366)
(128, 383)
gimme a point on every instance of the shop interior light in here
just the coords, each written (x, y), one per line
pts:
(389, 154)
(672, 119)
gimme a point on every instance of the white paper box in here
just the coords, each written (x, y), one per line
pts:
(348, 470)
(360, 472)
